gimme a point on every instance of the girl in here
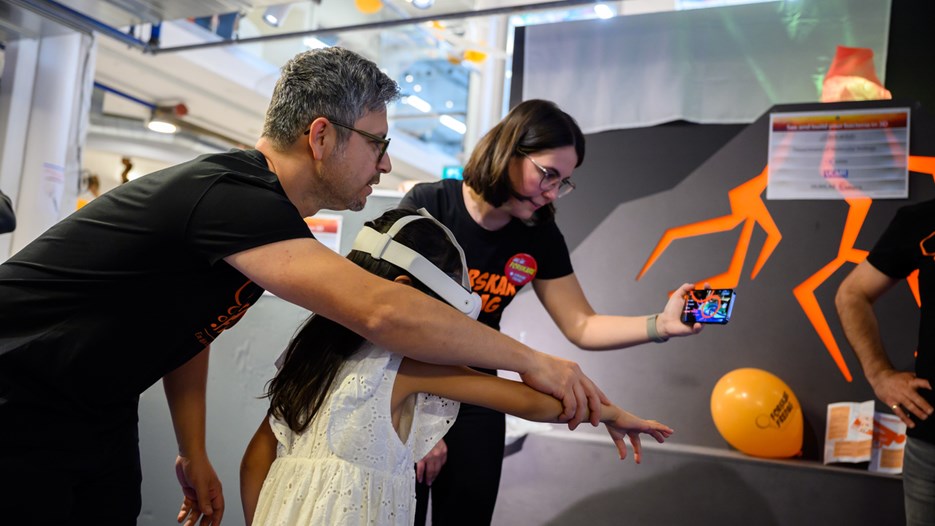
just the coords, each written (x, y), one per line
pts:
(347, 418)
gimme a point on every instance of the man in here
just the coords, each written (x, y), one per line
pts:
(177, 257)
(908, 244)
(7, 218)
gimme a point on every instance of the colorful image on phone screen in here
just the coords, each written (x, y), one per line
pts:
(708, 306)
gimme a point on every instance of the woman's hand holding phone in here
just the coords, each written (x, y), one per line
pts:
(708, 306)
(669, 323)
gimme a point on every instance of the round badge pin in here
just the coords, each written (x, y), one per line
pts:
(520, 269)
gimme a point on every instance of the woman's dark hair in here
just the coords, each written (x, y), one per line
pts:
(319, 348)
(532, 126)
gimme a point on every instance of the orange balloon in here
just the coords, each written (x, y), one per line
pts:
(757, 413)
(368, 7)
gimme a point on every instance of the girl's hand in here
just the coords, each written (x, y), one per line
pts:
(631, 426)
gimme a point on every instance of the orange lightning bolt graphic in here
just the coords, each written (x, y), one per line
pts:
(747, 207)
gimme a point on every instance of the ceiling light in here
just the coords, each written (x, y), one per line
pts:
(160, 123)
(422, 4)
(165, 118)
(160, 126)
(275, 13)
(603, 11)
(418, 103)
(453, 123)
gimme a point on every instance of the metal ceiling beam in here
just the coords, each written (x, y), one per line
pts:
(78, 21)
(381, 25)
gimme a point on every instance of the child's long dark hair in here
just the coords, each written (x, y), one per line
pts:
(316, 353)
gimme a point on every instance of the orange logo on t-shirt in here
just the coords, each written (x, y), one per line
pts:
(927, 245)
(492, 288)
(227, 320)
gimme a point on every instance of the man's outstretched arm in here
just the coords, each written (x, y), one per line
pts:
(406, 321)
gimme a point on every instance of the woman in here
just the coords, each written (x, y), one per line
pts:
(502, 214)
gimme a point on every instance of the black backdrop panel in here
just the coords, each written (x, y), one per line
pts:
(620, 213)
(625, 165)
(636, 183)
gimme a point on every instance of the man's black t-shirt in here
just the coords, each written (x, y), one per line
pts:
(501, 262)
(908, 245)
(134, 284)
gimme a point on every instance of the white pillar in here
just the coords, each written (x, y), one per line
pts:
(45, 110)
(485, 94)
(16, 90)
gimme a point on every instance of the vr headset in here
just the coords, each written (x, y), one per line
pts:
(382, 246)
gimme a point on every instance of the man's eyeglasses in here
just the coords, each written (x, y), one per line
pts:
(384, 142)
(551, 179)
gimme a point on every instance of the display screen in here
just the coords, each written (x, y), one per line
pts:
(708, 306)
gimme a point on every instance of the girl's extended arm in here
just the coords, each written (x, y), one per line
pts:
(260, 454)
(467, 385)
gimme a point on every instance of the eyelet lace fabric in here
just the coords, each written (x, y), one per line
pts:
(349, 466)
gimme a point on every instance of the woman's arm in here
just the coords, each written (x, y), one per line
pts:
(566, 303)
(259, 456)
(467, 385)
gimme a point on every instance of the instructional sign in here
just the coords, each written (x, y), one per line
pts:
(838, 155)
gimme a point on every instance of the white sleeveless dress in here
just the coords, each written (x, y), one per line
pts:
(349, 467)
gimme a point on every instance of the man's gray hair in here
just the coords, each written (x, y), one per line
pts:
(332, 82)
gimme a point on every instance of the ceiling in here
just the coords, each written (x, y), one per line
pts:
(225, 79)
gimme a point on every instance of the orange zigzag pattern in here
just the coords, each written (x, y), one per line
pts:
(747, 207)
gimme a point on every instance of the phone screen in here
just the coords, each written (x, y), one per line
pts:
(708, 306)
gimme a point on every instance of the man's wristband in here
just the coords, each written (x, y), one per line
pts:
(651, 330)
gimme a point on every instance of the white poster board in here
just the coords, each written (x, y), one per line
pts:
(838, 155)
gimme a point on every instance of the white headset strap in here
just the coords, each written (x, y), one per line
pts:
(424, 214)
(382, 246)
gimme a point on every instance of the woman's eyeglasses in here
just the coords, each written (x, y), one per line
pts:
(551, 179)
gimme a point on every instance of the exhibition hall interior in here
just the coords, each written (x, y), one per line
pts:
(692, 112)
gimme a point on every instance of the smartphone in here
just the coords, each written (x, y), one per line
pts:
(708, 306)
